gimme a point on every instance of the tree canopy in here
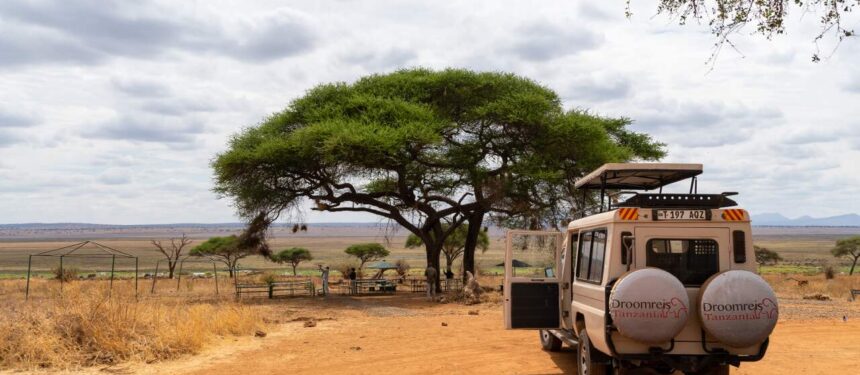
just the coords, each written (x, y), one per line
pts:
(727, 17)
(848, 248)
(227, 250)
(293, 256)
(367, 252)
(764, 256)
(423, 149)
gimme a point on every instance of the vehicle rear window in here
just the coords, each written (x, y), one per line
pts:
(691, 261)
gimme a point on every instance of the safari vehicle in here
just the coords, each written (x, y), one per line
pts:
(648, 282)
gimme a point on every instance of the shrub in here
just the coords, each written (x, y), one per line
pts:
(829, 273)
(67, 274)
(343, 268)
(268, 279)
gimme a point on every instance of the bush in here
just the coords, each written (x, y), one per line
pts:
(343, 268)
(68, 274)
(829, 273)
(268, 279)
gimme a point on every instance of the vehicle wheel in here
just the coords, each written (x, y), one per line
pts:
(588, 362)
(549, 342)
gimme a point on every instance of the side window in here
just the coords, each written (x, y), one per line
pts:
(573, 251)
(583, 256)
(598, 250)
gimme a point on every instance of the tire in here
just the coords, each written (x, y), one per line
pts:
(589, 360)
(549, 342)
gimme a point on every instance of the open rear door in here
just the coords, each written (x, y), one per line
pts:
(532, 288)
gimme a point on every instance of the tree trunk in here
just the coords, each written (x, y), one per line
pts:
(449, 262)
(434, 250)
(851, 272)
(476, 220)
(170, 267)
(231, 267)
(294, 270)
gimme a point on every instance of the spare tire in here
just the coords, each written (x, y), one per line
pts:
(649, 305)
(738, 308)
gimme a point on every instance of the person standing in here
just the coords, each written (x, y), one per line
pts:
(431, 275)
(352, 276)
(324, 279)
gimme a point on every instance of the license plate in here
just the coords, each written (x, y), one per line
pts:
(681, 215)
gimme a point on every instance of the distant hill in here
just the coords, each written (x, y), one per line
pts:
(774, 219)
(68, 226)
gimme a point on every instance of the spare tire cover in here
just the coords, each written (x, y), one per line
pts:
(649, 305)
(738, 308)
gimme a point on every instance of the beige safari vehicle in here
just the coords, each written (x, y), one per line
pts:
(649, 282)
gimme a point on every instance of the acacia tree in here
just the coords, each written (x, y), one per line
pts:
(293, 256)
(367, 252)
(848, 248)
(454, 244)
(728, 17)
(227, 250)
(764, 256)
(422, 148)
(174, 252)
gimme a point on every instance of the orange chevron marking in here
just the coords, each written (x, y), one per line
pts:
(733, 215)
(628, 213)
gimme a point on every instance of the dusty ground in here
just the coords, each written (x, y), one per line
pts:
(405, 334)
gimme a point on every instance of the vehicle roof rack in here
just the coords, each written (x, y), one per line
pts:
(637, 176)
(678, 201)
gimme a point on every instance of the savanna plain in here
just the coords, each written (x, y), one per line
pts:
(162, 326)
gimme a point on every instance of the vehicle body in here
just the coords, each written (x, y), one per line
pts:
(610, 288)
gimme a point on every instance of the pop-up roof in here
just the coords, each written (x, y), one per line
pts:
(637, 176)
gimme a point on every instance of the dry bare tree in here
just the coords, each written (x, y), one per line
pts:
(174, 252)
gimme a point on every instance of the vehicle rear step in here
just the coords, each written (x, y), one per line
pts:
(565, 336)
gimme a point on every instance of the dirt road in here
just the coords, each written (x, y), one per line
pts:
(407, 336)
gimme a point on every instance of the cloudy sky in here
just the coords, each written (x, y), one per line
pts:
(110, 112)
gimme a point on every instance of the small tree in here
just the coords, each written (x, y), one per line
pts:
(848, 248)
(174, 252)
(293, 256)
(765, 256)
(367, 252)
(454, 244)
(222, 249)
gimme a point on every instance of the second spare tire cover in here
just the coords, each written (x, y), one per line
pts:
(649, 305)
(738, 308)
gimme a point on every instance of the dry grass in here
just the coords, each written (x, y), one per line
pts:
(84, 328)
(792, 286)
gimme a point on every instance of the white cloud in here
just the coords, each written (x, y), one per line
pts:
(111, 111)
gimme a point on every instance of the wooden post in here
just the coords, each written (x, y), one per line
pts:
(215, 271)
(62, 276)
(135, 277)
(29, 265)
(112, 268)
(154, 277)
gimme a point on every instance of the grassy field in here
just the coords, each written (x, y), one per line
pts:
(325, 250)
(806, 253)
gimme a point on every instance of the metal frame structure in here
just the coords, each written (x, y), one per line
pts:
(179, 272)
(71, 251)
